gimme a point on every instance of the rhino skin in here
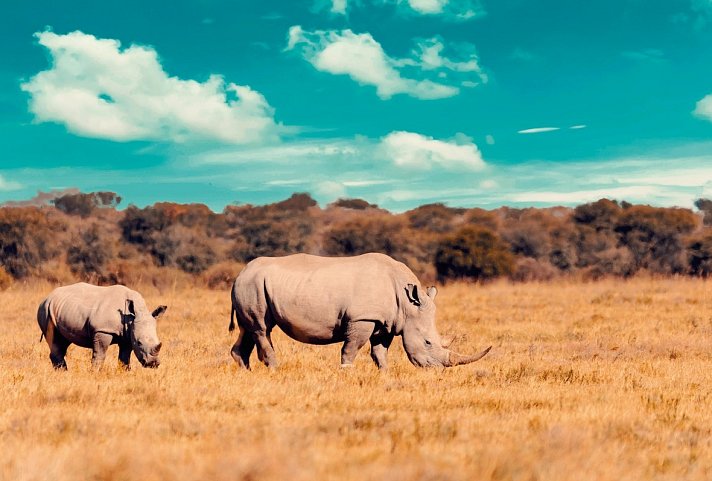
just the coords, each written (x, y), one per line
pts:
(95, 317)
(324, 300)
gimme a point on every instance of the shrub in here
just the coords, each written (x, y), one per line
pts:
(475, 253)
(654, 236)
(6, 279)
(88, 254)
(28, 237)
(382, 233)
(705, 206)
(527, 269)
(278, 229)
(355, 204)
(84, 204)
(436, 218)
(700, 254)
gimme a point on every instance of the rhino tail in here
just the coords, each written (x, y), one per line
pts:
(232, 319)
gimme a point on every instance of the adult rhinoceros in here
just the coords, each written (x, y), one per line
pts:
(96, 317)
(324, 300)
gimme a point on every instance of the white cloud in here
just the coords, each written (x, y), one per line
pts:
(339, 6)
(704, 107)
(416, 151)
(97, 89)
(8, 185)
(287, 152)
(363, 59)
(538, 130)
(578, 127)
(329, 190)
(455, 10)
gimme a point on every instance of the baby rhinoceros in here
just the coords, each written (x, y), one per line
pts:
(96, 317)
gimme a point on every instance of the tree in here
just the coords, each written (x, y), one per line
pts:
(700, 254)
(655, 236)
(475, 253)
(277, 229)
(89, 253)
(27, 238)
(705, 206)
(84, 204)
(382, 233)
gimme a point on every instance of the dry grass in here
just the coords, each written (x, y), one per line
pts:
(605, 381)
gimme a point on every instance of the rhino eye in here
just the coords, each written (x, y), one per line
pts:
(427, 343)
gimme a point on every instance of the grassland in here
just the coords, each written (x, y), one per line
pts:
(607, 381)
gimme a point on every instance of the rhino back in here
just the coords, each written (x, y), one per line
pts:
(81, 309)
(315, 295)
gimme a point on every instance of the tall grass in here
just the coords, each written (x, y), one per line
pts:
(608, 381)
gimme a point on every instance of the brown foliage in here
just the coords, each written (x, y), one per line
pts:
(355, 204)
(84, 204)
(28, 237)
(655, 236)
(700, 254)
(89, 253)
(384, 233)
(272, 230)
(475, 253)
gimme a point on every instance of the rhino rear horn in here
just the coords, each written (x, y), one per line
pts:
(456, 359)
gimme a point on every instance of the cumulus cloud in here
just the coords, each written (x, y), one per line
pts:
(425, 74)
(8, 185)
(448, 9)
(98, 89)
(339, 6)
(416, 151)
(703, 108)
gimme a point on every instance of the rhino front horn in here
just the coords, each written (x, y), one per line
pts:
(456, 359)
(157, 349)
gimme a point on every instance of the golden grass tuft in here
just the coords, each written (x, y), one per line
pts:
(609, 381)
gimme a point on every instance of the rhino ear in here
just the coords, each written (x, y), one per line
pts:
(158, 312)
(130, 307)
(411, 291)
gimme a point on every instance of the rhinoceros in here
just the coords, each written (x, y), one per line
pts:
(324, 300)
(96, 317)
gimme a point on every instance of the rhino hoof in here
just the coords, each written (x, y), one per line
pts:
(347, 365)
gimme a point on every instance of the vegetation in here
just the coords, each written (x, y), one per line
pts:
(94, 241)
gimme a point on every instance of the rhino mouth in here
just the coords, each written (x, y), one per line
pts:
(153, 364)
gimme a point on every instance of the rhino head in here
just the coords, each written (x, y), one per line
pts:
(421, 340)
(142, 332)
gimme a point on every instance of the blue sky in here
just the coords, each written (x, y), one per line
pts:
(401, 102)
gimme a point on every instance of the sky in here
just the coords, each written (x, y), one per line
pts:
(399, 102)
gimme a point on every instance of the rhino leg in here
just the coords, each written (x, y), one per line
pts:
(357, 335)
(102, 341)
(58, 345)
(379, 349)
(242, 349)
(125, 355)
(265, 349)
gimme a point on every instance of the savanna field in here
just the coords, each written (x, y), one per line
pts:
(608, 380)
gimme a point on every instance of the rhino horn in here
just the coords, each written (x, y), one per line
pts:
(456, 359)
(446, 341)
(156, 349)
